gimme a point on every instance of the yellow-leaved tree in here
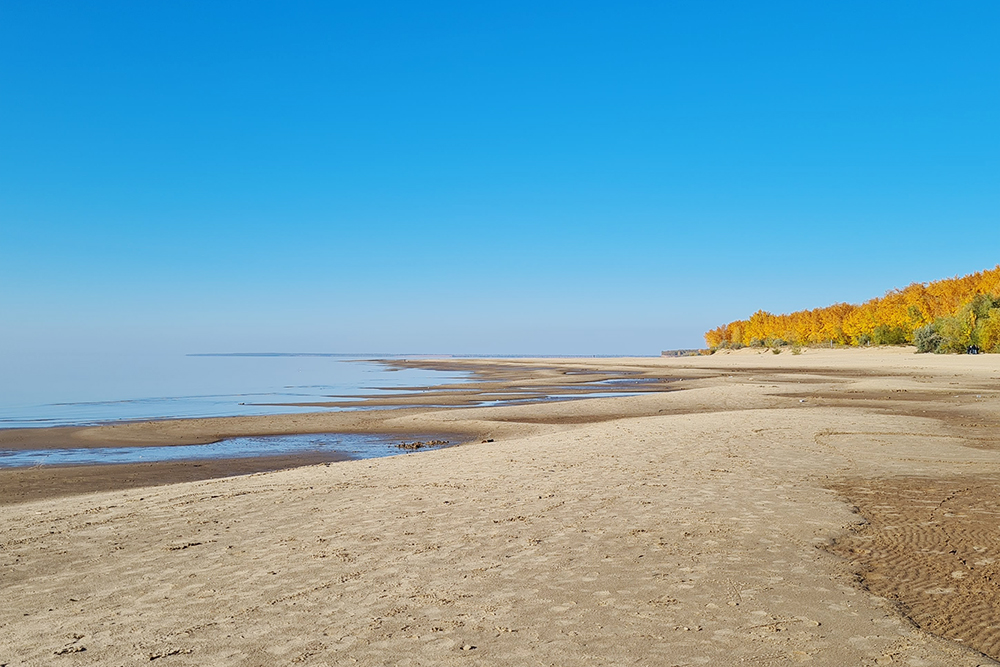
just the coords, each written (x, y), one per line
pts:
(890, 319)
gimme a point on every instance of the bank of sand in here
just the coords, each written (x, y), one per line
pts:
(726, 521)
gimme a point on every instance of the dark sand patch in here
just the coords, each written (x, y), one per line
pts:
(19, 485)
(933, 547)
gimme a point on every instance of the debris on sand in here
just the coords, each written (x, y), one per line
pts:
(420, 444)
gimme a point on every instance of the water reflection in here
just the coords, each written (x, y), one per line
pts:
(127, 389)
(359, 446)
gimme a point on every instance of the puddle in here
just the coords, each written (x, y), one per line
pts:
(552, 398)
(628, 382)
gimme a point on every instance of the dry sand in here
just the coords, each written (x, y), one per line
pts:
(833, 508)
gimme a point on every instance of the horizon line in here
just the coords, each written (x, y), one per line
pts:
(384, 355)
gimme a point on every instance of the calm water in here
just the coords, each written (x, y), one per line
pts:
(92, 389)
(365, 446)
(106, 388)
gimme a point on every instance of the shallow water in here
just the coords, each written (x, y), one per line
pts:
(627, 382)
(360, 446)
(552, 398)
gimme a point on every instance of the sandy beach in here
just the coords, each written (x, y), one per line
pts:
(835, 507)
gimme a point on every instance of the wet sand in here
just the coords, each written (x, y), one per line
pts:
(19, 485)
(933, 548)
(834, 507)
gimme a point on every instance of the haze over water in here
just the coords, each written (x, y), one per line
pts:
(103, 387)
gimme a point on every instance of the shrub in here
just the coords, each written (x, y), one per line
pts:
(886, 335)
(988, 331)
(927, 339)
(955, 333)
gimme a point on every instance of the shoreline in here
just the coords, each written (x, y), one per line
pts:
(21, 484)
(493, 382)
(768, 508)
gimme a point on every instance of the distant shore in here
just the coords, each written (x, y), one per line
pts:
(724, 514)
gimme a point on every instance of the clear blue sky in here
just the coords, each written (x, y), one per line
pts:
(481, 177)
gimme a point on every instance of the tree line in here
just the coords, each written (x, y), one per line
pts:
(951, 315)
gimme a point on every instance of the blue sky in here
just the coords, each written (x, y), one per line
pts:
(521, 177)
